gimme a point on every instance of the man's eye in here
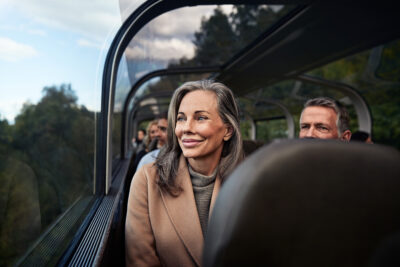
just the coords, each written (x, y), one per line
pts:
(323, 128)
(304, 127)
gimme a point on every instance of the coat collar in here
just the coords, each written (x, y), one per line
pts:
(183, 214)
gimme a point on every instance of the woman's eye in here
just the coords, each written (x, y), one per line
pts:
(179, 119)
(201, 118)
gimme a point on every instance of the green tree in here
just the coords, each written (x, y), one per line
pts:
(47, 167)
(215, 42)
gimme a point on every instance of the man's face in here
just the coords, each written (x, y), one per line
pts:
(318, 122)
(162, 132)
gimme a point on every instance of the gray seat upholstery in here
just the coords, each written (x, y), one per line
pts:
(309, 203)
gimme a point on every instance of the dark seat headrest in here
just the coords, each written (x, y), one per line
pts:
(250, 146)
(307, 203)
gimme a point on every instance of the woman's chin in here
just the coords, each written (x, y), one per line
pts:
(189, 154)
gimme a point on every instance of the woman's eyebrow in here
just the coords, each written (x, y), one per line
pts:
(201, 111)
(196, 112)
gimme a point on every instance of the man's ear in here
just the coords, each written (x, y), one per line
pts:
(346, 135)
(228, 133)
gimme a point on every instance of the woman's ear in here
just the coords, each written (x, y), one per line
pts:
(228, 133)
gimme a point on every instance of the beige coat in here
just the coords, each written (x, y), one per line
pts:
(163, 230)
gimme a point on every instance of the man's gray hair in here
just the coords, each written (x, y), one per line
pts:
(343, 119)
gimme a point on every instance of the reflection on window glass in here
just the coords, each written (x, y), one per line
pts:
(375, 74)
(49, 65)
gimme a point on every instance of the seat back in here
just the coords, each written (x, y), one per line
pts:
(308, 203)
(250, 146)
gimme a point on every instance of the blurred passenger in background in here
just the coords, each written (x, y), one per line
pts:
(324, 118)
(161, 137)
(137, 142)
(151, 136)
(149, 142)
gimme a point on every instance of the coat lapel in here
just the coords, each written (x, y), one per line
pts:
(182, 212)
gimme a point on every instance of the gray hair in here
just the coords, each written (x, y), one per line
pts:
(167, 162)
(343, 119)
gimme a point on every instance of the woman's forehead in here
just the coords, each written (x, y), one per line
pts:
(198, 100)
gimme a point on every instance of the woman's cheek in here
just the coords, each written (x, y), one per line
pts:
(177, 131)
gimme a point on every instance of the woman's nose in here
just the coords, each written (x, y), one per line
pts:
(187, 126)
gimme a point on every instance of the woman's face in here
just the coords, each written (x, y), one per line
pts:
(153, 131)
(199, 128)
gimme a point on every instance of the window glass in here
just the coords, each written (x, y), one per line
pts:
(372, 73)
(200, 36)
(51, 61)
(271, 129)
(375, 74)
(267, 105)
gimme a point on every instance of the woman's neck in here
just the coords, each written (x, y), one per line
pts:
(204, 166)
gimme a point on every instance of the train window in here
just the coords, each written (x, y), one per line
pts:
(123, 85)
(273, 128)
(49, 64)
(276, 109)
(164, 42)
(211, 35)
(374, 73)
(369, 75)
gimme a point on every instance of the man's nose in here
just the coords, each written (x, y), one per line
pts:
(157, 133)
(310, 132)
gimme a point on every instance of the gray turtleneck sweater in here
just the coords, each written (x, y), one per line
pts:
(202, 188)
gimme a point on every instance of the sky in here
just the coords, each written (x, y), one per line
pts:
(53, 42)
(45, 43)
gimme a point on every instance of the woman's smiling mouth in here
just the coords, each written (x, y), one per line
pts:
(190, 142)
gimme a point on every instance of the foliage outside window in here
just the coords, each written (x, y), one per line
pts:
(375, 74)
(38, 182)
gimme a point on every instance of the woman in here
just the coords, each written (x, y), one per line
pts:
(151, 133)
(170, 200)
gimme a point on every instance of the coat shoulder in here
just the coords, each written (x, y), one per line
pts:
(145, 177)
